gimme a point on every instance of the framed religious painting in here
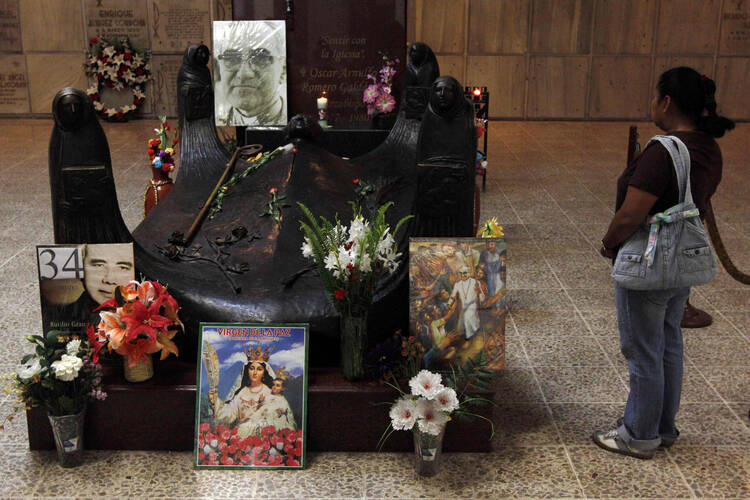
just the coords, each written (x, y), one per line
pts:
(76, 279)
(250, 73)
(457, 305)
(251, 405)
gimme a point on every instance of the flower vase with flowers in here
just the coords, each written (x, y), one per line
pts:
(425, 412)
(378, 95)
(139, 320)
(161, 154)
(61, 376)
(351, 260)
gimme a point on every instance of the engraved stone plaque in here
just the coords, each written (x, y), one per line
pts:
(44, 84)
(14, 91)
(164, 84)
(327, 54)
(735, 28)
(223, 10)
(175, 24)
(114, 19)
(10, 26)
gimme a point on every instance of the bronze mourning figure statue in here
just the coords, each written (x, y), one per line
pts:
(242, 266)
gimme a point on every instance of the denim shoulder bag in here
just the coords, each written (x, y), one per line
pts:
(670, 249)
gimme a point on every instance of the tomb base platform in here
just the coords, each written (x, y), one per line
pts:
(159, 414)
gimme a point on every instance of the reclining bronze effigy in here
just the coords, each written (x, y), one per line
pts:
(241, 266)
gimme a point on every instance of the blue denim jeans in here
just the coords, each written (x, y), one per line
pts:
(651, 341)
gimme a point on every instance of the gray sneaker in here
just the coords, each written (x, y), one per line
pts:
(610, 440)
(666, 441)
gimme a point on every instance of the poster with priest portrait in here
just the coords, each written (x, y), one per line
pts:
(251, 408)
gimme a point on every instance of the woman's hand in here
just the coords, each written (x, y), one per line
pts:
(609, 253)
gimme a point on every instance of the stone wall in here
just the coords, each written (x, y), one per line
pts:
(586, 59)
(43, 42)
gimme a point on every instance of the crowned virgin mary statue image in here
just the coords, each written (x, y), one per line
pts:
(258, 400)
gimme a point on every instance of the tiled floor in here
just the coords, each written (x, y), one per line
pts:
(552, 187)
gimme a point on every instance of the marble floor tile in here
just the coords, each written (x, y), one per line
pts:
(517, 386)
(733, 383)
(714, 350)
(22, 471)
(103, 474)
(714, 472)
(577, 421)
(527, 424)
(177, 478)
(729, 300)
(547, 323)
(587, 299)
(539, 300)
(575, 384)
(602, 323)
(702, 424)
(606, 474)
(695, 387)
(564, 350)
(328, 475)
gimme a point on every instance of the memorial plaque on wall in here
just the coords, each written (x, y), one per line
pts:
(332, 45)
(735, 28)
(175, 24)
(114, 19)
(10, 26)
(14, 91)
(164, 84)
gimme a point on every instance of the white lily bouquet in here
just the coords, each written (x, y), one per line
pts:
(351, 260)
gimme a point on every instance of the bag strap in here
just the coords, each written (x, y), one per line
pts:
(681, 162)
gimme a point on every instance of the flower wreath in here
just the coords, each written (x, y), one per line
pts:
(117, 65)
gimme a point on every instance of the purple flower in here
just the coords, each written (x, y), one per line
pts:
(371, 94)
(385, 103)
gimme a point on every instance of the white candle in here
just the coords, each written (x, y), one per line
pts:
(322, 102)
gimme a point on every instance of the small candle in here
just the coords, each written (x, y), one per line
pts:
(322, 106)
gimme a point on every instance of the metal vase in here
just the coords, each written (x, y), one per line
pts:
(428, 449)
(68, 433)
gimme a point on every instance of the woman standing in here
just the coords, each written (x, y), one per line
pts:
(649, 321)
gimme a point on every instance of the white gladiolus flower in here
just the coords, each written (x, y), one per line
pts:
(365, 263)
(446, 400)
(66, 368)
(430, 419)
(307, 251)
(30, 369)
(403, 414)
(332, 264)
(385, 245)
(73, 347)
(427, 384)
(344, 258)
(358, 228)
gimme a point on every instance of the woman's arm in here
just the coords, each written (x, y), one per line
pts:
(631, 214)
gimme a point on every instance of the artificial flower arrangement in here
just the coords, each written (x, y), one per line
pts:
(139, 320)
(117, 65)
(378, 95)
(351, 259)
(274, 447)
(62, 375)
(490, 229)
(162, 149)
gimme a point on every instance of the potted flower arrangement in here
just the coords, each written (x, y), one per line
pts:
(378, 95)
(161, 154)
(61, 376)
(428, 408)
(139, 320)
(351, 260)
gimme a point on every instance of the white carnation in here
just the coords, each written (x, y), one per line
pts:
(430, 419)
(403, 414)
(66, 368)
(446, 400)
(73, 347)
(427, 384)
(307, 249)
(30, 369)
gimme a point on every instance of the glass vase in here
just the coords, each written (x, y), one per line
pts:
(353, 342)
(138, 370)
(68, 433)
(427, 451)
